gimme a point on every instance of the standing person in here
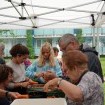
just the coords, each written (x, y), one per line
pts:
(2, 47)
(84, 87)
(5, 77)
(27, 63)
(20, 82)
(46, 66)
(56, 51)
(70, 42)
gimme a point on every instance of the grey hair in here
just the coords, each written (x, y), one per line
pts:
(68, 38)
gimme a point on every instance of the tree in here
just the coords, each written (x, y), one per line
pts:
(3, 32)
(79, 35)
(29, 43)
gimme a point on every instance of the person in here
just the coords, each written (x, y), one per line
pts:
(5, 77)
(27, 63)
(84, 87)
(2, 47)
(70, 42)
(5, 93)
(56, 51)
(45, 67)
(20, 82)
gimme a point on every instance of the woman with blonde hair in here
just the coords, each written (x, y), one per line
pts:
(46, 66)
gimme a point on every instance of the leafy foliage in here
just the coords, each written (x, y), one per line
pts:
(29, 40)
(3, 32)
(79, 36)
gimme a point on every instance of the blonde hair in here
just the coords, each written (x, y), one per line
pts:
(41, 61)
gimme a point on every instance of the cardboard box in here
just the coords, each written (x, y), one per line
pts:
(40, 101)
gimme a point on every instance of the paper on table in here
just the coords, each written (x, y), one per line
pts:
(40, 101)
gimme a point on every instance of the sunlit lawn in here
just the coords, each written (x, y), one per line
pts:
(102, 59)
(103, 68)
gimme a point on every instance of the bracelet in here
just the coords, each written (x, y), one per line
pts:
(59, 82)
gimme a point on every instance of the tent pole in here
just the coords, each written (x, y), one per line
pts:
(30, 18)
(16, 9)
(93, 29)
(9, 16)
(75, 10)
(98, 41)
(22, 8)
(84, 4)
(8, 7)
(101, 17)
(50, 12)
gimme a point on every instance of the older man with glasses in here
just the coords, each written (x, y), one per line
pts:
(69, 42)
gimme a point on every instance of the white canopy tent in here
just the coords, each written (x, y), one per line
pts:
(28, 14)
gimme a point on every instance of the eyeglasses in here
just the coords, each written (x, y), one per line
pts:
(64, 49)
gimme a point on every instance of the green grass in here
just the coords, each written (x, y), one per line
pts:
(104, 92)
(102, 59)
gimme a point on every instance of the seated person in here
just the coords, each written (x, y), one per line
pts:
(20, 82)
(5, 77)
(45, 65)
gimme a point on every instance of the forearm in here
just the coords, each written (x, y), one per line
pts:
(2, 93)
(71, 90)
(13, 85)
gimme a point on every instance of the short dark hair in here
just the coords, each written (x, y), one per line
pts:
(55, 49)
(4, 72)
(19, 49)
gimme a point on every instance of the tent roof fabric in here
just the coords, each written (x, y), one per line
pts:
(29, 14)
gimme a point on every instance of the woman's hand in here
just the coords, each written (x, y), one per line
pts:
(39, 74)
(51, 84)
(49, 75)
(13, 95)
(31, 82)
(24, 84)
(27, 79)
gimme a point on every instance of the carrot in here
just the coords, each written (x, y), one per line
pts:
(33, 82)
(23, 96)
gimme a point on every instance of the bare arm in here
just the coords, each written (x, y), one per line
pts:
(72, 91)
(4, 93)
